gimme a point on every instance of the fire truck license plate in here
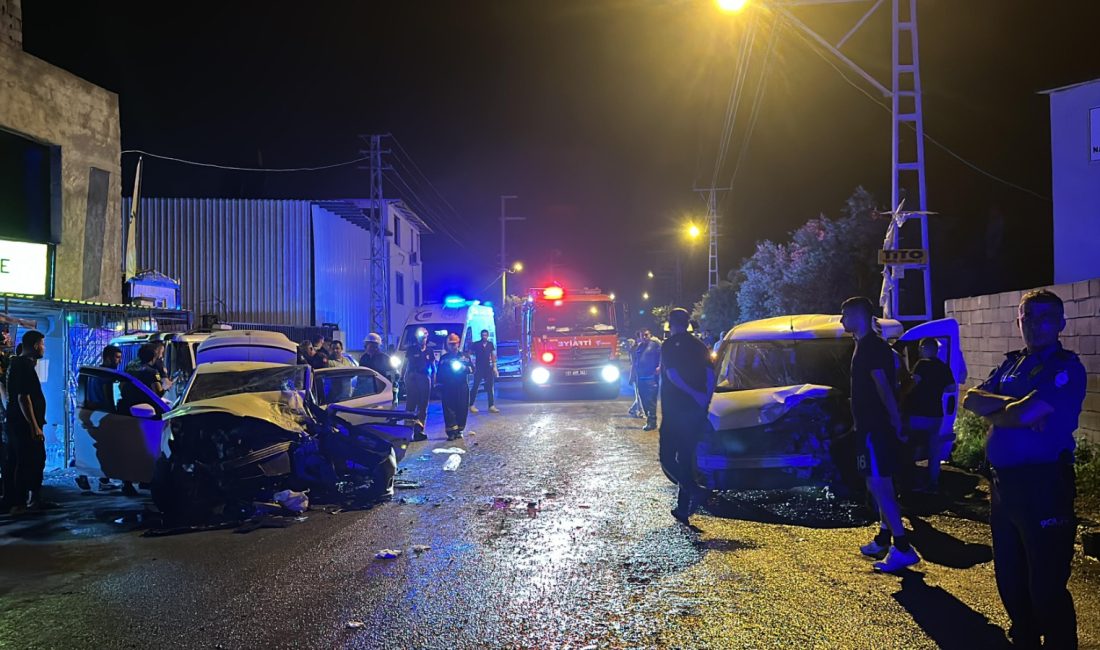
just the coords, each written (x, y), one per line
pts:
(576, 373)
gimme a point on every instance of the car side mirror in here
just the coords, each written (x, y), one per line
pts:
(143, 411)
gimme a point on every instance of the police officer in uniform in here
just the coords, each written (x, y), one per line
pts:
(419, 369)
(454, 372)
(1033, 401)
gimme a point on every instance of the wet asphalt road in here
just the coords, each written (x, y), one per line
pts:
(597, 563)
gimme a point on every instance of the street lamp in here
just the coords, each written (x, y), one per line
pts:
(645, 295)
(611, 295)
(693, 231)
(732, 6)
(516, 268)
(649, 274)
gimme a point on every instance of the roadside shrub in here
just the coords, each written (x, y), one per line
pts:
(1088, 472)
(969, 450)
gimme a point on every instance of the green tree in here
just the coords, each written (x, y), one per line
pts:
(717, 310)
(825, 261)
(506, 317)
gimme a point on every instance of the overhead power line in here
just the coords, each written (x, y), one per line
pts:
(816, 50)
(233, 168)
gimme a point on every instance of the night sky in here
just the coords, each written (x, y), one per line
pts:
(600, 115)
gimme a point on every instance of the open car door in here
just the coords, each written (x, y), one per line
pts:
(946, 331)
(119, 426)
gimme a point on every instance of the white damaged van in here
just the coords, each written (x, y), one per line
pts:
(781, 415)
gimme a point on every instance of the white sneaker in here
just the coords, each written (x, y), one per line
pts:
(493, 409)
(897, 560)
(473, 409)
(874, 550)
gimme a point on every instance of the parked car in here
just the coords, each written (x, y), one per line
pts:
(508, 361)
(781, 414)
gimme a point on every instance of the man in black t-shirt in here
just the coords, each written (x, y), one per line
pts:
(26, 419)
(687, 385)
(485, 370)
(878, 430)
(922, 406)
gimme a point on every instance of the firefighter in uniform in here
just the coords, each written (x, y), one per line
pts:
(1033, 401)
(419, 369)
(454, 373)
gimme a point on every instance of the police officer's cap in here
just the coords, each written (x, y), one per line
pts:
(373, 337)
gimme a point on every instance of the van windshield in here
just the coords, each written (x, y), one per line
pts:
(437, 334)
(745, 365)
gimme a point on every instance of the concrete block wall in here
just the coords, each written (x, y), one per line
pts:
(988, 330)
(11, 23)
(44, 103)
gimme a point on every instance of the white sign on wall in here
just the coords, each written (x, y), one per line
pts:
(1094, 132)
(24, 267)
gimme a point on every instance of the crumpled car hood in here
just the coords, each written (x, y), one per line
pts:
(750, 408)
(285, 410)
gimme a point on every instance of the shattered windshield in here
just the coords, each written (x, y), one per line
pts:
(262, 380)
(746, 365)
(563, 316)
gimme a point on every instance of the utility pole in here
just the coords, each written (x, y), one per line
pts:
(712, 231)
(504, 219)
(378, 265)
(907, 159)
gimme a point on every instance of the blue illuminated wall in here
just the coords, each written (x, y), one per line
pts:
(1075, 159)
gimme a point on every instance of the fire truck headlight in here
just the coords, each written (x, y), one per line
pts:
(395, 362)
(540, 376)
(610, 374)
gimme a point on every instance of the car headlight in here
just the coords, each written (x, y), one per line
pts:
(395, 362)
(610, 374)
(540, 376)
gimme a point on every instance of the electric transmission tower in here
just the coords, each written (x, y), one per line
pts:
(908, 229)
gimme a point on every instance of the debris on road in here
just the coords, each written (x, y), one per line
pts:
(293, 501)
(501, 503)
(355, 625)
(406, 484)
(449, 450)
(453, 461)
(388, 554)
(421, 548)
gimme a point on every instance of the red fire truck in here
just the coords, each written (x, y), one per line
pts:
(568, 338)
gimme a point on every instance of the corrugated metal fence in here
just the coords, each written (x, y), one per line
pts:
(246, 260)
(341, 275)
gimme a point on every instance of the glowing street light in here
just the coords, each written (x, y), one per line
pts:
(649, 274)
(693, 231)
(516, 268)
(611, 295)
(645, 295)
(732, 6)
